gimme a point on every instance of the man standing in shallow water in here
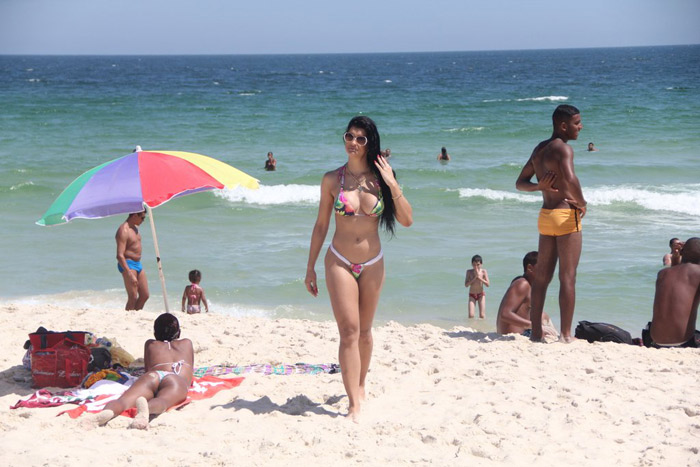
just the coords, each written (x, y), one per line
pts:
(559, 223)
(129, 261)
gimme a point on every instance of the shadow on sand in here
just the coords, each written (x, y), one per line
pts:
(16, 380)
(481, 337)
(297, 405)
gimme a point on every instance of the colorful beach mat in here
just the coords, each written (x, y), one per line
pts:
(266, 369)
(94, 399)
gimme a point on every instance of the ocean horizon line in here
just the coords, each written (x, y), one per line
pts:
(294, 54)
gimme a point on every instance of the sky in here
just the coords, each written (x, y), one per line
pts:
(136, 27)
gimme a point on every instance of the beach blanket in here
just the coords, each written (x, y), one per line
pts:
(94, 399)
(266, 369)
(46, 398)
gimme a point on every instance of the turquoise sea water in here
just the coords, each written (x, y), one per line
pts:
(641, 106)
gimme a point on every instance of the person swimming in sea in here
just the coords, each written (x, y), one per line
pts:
(443, 156)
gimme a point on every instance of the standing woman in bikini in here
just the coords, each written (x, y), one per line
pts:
(363, 193)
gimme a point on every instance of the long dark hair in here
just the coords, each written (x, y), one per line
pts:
(373, 150)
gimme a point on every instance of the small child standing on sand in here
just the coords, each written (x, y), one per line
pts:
(193, 295)
(476, 279)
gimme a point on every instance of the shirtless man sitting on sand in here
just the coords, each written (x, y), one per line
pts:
(129, 261)
(169, 363)
(514, 310)
(676, 302)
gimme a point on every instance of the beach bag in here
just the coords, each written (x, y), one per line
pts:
(602, 332)
(59, 359)
(43, 339)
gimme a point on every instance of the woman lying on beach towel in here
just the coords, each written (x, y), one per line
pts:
(169, 364)
(363, 193)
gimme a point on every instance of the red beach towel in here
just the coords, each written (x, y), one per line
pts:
(202, 388)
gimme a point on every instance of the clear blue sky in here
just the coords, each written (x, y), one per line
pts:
(328, 26)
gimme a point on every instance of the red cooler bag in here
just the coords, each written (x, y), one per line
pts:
(47, 339)
(62, 365)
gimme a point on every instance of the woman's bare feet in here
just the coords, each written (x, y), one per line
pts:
(98, 419)
(354, 413)
(361, 394)
(142, 415)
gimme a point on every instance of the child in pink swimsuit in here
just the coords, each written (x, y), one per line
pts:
(193, 295)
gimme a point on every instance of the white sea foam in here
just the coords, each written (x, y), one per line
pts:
(238, 310)
(115, 299)
(273, 195)
(498, 195)
(544, 98)
(20, 185)
(680, 199)
(465, 129)
(76, 299)
(533, 99)
(683, 200)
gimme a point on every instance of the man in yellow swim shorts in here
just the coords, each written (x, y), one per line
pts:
(559, 223)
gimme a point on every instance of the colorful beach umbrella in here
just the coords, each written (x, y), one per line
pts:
(142, 180)
(147, 178)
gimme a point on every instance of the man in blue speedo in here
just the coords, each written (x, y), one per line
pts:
(129, 261)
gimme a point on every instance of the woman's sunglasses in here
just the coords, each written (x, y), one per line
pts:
(349, 137)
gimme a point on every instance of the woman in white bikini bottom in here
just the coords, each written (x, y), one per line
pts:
(356, 269)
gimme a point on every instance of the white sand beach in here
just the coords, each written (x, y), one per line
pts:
(456, 397)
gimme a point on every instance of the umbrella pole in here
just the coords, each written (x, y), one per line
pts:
(160, 266)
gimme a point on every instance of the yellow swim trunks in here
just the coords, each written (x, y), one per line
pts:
(558, 222)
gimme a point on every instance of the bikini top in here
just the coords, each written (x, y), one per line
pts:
(176, 367)
(344, 208)
(193, 296)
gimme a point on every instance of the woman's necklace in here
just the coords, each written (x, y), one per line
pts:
(360, 180)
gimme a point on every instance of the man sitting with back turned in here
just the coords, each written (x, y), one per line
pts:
(676, 302)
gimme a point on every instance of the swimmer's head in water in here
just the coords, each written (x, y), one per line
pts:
(166, 327)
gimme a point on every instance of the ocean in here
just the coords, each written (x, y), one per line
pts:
(62, 115)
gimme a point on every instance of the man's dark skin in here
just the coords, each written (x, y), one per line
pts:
(552, 162)
(514, 310)
(677, 297)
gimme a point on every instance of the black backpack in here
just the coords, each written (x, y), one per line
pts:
(602, 332)
(100, 359)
